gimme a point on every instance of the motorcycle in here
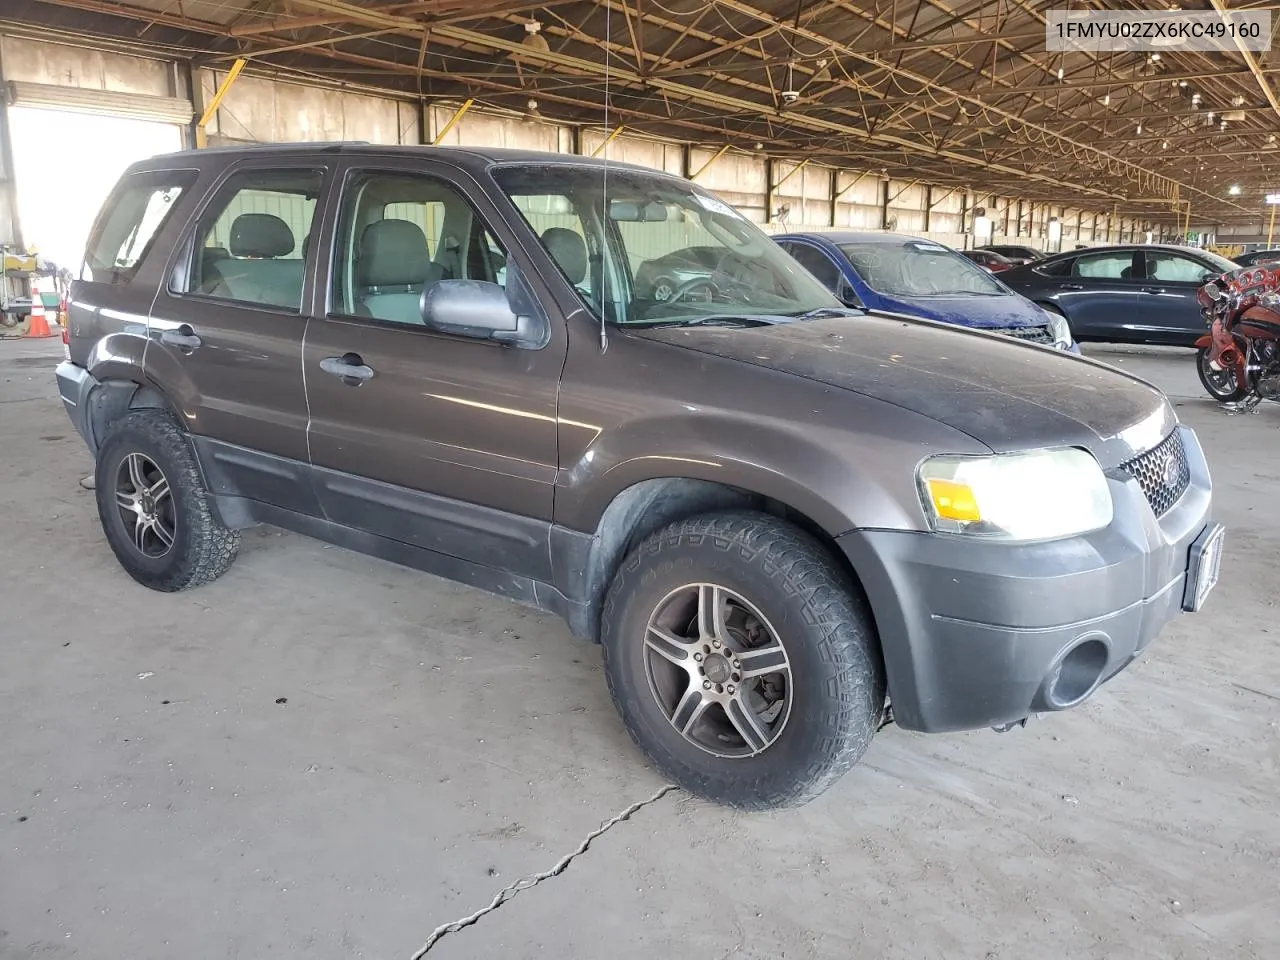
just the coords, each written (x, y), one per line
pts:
(1239, 358)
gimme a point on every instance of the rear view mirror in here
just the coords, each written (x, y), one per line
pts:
(478, 309)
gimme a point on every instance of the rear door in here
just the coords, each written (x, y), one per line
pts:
(1170, 311)
(1101, 294)
(226, 331)
(442, 442)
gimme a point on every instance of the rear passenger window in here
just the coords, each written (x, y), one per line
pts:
(129, 222)
(251, 243)
(1056, 268)
(398, 235)
(1105, 266)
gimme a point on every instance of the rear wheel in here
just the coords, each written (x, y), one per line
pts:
(154, 508)
(1222, 384)
(743, 660)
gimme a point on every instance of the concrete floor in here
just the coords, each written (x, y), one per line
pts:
(323, 755)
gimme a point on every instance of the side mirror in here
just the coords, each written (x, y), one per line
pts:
(479, 309)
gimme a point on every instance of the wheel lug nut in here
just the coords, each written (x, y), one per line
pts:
(698, 657)
(730, 688)
(716, 644)
(706, 684)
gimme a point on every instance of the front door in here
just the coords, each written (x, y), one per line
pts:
(438, 441)
(226, 331)
(1170, 310)
(1101, 294)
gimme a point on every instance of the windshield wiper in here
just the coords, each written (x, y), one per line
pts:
(827, 312)
(719, 320)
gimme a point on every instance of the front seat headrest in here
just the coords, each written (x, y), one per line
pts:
(393, 253)
(260, 235)
(568, 250)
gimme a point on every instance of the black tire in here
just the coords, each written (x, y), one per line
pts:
(1225, 389)
(836, 683)
(201, 547)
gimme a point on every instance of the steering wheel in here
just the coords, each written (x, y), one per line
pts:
(689, 286)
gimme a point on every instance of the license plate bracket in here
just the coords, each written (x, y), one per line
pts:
(1203, 566)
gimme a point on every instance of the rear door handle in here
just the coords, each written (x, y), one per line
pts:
(1071, 286)
(350, 368)
(183, 337)
(1153, 289)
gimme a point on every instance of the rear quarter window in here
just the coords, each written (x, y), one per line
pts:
(1056, 268)
(129, 222)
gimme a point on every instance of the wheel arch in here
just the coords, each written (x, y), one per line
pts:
(115, 396)
(584, 565)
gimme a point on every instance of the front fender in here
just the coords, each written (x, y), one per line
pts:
(1204, 342)
(839, 479)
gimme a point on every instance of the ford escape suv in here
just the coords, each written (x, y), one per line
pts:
(786, 521)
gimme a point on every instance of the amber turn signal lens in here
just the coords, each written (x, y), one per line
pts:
(954, 501)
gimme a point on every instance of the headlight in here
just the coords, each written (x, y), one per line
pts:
(1042, 495)
(1060, 329)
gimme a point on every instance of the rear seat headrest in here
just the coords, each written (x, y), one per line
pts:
(260, 235)
(393, 253)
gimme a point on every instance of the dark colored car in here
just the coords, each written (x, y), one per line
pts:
(1129, 294)
(1016, 253)
(987, 259)
(664, 277)
(1256, 257)
(900, 274)
(769, 514)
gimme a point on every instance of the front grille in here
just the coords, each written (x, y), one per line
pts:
(1031, 334)
(1162, 472)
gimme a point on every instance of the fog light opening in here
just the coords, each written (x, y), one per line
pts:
(1076, 674)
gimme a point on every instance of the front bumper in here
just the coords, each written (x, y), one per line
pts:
(979, 634)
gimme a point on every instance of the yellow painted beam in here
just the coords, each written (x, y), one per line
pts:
(714, 157)
(453, 122)
(201, 139)
(608, 140)
(792, 172)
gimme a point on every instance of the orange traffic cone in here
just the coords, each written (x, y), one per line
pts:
(39, 322)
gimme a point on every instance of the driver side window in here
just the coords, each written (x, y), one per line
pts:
(1174, 268)
(398, 235)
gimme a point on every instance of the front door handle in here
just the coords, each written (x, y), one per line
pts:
(1153, 289)
(1071, 286)
(350, 368)
(183, 337)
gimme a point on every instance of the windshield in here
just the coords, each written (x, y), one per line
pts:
(918, 268)
(643, 249)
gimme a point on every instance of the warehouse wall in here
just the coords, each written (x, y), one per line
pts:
(58, 64)
(812, 197)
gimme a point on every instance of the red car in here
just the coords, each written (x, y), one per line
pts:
(989, 260)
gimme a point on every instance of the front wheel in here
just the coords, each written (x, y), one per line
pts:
(1223, 384)
(743, 660)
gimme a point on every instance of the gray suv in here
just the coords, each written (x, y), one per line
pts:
(788, 522)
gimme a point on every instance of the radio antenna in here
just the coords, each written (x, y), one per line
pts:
(604, 193)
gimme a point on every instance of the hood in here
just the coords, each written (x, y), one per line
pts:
(1005, 394)
(983, 313)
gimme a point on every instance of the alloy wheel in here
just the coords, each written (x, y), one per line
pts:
(146, 506)
(718, 670)
(1221, 383)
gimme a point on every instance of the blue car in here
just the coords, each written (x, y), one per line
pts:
(893, 273)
